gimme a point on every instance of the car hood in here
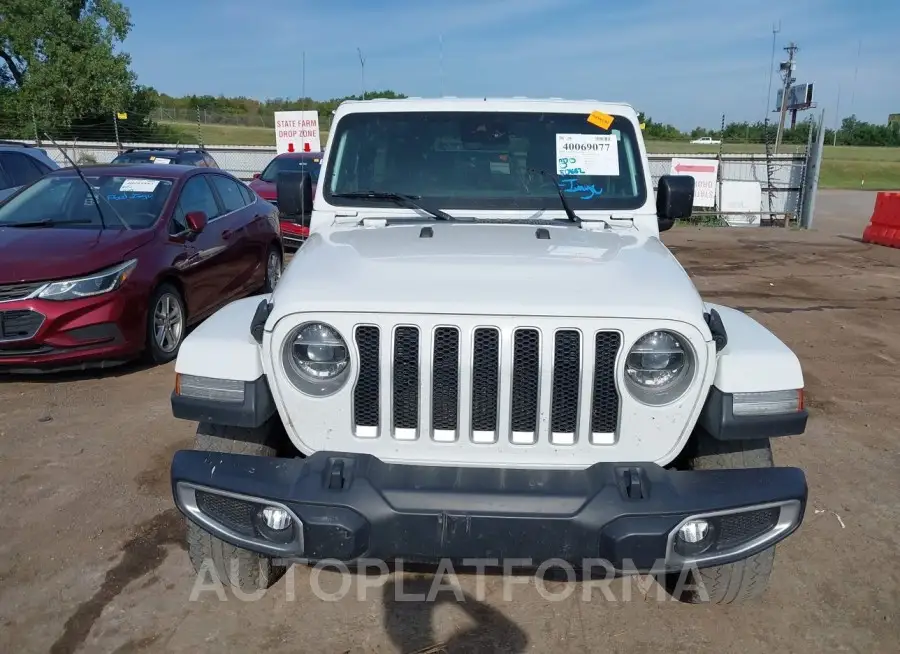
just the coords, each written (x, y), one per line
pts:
(488, 269)
(265, 190)
(42, 254)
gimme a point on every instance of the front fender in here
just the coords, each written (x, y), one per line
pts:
(222, 346)
(754, 360)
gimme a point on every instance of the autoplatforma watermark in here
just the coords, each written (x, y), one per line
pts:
(554, 580)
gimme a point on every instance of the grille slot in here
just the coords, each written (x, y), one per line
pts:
(406, 382)
(445, 383)
(526, 380)
(485, 384)
(366, 413)
(566, 386)
(9, 292)
(605, 398)
(19, 324)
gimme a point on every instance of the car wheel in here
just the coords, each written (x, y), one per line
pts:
(166, 324)
(240, 568)
(274, 266)
(743, 580)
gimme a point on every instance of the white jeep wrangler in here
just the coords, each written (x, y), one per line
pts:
(484, 352)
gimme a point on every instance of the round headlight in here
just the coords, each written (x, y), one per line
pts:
(659, 368)
(316, 359)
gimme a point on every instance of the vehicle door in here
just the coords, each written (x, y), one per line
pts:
(242, 230)
(205, 271)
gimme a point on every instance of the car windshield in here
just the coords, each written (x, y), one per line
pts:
(145, 157)
(65, 201)
(291, 164)
(487, 160)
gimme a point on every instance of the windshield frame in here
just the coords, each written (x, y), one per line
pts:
(33, 192)
(631, 139)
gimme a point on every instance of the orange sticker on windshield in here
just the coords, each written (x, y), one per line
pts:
(600, 119)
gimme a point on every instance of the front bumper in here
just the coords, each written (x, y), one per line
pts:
(43, 335)
(350, 507)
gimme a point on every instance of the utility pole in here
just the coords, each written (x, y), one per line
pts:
(362, 72)
(775, 30)
(441, 43)
(787, 74)
(837, 114)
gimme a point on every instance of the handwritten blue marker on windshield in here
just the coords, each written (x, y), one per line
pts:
(571, 185)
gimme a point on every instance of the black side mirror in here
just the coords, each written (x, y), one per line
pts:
(674, 199)
(295, 195)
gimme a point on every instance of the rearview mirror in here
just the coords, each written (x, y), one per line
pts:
(674, 199)
(196, 221)
(256, 175)
(295, 195)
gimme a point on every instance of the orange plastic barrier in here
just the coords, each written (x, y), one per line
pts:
(884, 227)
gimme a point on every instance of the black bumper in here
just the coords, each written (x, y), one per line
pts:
(355, 507)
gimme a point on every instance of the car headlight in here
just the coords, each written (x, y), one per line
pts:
(316, 359)
(659, 368)
(96, 284)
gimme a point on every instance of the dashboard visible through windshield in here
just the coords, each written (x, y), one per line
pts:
(66, 201)
(487, 160)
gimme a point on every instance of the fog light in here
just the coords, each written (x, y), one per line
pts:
(694, 531)
(276, 519)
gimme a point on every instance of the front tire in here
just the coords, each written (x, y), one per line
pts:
(743, 580)
(166, 324)
(242, 569)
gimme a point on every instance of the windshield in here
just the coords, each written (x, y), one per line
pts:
(487, 160)
(67, 202)
(291, 164)
(145, 157)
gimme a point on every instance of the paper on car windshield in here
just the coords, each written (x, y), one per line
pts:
(587, 154)
(600, 119)
(161, 160)
(139, 185)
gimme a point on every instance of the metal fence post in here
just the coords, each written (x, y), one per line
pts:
(813, 168)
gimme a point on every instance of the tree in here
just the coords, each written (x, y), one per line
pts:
(58, 59)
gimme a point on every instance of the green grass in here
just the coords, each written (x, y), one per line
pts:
(843, 167)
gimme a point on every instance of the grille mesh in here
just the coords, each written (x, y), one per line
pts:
(235, 514)
(739, 528)
(485, 379)
(605, 400)
(406, 378)
(445, 379)
(525, 379)
(566, 381)
(18, 291)
(366, 411)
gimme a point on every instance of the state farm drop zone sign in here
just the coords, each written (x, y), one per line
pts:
(297, 131)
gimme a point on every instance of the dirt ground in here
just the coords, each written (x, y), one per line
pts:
(91, 556)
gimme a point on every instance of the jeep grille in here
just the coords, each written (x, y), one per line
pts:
(438, 381)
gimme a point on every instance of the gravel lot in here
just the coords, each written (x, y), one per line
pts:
(91, 558)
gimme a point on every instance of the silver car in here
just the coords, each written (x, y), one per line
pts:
(21, 164)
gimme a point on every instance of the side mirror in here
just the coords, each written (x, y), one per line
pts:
(295, 195)
(196, 221)
(674, 199)
(256, 175)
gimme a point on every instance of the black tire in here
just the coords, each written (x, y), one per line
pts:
(744, 580)
(158, 353)
(247, 571)
(271, 281)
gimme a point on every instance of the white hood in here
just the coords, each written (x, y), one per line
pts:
(490, 270)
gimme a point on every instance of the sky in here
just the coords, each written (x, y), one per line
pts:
(685, 62)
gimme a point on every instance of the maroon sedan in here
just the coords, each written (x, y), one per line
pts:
(264, 184)
(102, 270)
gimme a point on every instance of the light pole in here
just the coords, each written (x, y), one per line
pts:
(362, 73)
(775, 30)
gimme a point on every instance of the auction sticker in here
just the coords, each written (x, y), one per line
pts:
(587, 154)
(139, 185)
(161, 160)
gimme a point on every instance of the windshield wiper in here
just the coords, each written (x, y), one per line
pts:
(570, 214)
(408, 201)
(48, 223)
